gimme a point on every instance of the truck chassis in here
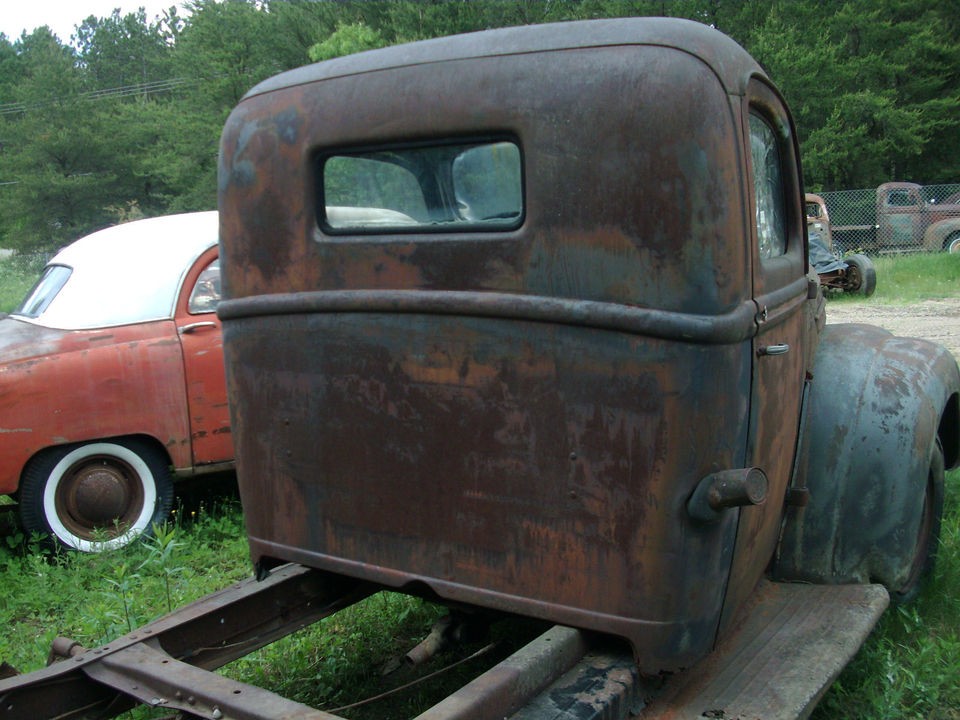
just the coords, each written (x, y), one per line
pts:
(791, 642)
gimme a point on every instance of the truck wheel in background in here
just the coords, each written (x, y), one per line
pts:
(96, 496)
(928, 536)
(952, 243)
(861, 275)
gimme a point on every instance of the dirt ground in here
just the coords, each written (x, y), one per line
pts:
(936, 320)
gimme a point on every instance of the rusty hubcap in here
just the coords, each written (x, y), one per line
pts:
(99, 495)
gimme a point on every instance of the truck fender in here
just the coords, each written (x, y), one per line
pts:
(936, 236)
(881, 425)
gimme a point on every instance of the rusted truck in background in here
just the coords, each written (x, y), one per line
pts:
(851, 273)
(902, 219)
(523, 322)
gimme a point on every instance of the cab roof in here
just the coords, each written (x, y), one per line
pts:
(732, 64)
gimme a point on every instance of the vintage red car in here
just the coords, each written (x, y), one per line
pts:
(112, 382)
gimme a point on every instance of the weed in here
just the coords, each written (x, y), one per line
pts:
(28, 544)
(161, 547)
(123, 581)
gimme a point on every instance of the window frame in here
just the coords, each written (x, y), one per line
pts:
(776, 245)
(442, 195)
(771, 273)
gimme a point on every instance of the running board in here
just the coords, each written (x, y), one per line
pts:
(791, 644)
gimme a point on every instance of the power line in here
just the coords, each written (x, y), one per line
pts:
(147, 88)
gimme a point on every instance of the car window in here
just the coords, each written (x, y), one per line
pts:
(768, 188)
(52, 280)
(205, 295)
(470, 186)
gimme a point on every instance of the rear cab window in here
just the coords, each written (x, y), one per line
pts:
(474, 185)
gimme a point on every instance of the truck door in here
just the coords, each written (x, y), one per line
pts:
(779, 291)
(899, 217)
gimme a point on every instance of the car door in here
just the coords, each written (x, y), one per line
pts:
(780, 289)
(201, 339)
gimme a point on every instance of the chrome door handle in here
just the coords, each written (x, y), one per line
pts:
(193, 327)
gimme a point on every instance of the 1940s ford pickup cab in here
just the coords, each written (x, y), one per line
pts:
(524, 320)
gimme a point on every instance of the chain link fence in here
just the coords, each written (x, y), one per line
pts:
(894, 218)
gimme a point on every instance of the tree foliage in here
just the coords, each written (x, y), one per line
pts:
(124, 120)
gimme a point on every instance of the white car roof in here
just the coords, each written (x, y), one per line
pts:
(128, 273)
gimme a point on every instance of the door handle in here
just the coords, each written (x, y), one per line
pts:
(193, 327)
(782, 349)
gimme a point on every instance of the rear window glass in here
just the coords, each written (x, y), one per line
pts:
(456, 186)
(52, 280)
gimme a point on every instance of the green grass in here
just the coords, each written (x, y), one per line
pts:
(912, 278)
(95, 598)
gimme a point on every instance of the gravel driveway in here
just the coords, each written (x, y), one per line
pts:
(936, 320)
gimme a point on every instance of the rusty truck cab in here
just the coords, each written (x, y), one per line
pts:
(520, 319)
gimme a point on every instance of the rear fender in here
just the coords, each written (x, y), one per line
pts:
(936, 235)
(877, 404)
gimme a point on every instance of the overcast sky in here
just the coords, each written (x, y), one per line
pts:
(62, 16)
